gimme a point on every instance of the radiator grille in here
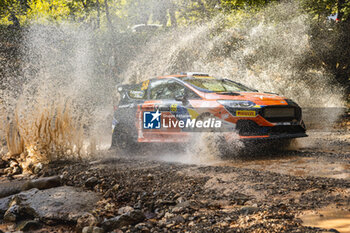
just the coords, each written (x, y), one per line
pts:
(281, 114)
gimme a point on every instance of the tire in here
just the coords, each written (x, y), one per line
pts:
(123, 140)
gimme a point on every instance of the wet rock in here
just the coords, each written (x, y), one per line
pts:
(181, 207)
(13, 163)
(28, 225)
(124, 210)
(130, 218)
(177, 210)
(14, 187)
(37, 168)
(43, 183)
(87, 220)
(4, 205)
(142, 227)
(8, 171)
(16, 170)
(91, 182)
(3, 163)
(63, 203)
(177, 219)
(19, 210)
(97, 230)
(180, 200)
(11, 214)
(150, 176)
(92, 229)
(115, 187)
(246, 210)
(2, 171)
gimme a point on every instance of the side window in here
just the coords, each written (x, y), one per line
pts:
(191, 95)
(166, 89)
(137, 92)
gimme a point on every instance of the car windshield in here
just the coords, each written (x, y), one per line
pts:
(217, 85)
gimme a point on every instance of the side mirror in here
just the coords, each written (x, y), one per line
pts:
(181, 98)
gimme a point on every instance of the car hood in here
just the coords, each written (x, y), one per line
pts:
(256, 97)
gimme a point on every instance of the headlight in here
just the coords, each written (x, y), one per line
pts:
(237, 103)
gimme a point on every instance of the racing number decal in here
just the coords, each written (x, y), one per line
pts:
(173, 108)
(145, 85)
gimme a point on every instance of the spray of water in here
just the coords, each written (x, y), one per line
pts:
(266, 50)
(63, 107)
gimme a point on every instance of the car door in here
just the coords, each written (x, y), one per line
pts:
(162, 95)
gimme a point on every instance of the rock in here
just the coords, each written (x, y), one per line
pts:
(28, 225)
(150, 176)
(92, 229)
(18, 210)
(177, 219)
(91, 182)
(37, 168)
(16, 170)
(246, 210)
(4, 205)
(86, 220)
(168, 215)
(3, 163)
(63, 203)
(8, 170)
(142, 227)
(88, 229)
(177, 210)
(180, 200)
(97, 230)
(124, 210)
(42, 183)
(181, 207)
(13, 163)
(115, 187)
(127, 219)
(11, 214)
(2, 171)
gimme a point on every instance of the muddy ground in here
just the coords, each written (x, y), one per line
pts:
(303, 189)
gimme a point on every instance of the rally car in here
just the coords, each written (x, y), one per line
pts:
(174, 108)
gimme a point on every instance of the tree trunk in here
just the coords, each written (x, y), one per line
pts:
(98, 13)
(173, 20)
(109, 22)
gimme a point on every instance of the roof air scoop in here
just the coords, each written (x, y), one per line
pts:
(190, 74)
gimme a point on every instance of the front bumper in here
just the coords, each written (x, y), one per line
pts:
(248, 129)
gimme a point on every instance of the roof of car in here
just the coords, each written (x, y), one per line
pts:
(187, 75)
(173, 76)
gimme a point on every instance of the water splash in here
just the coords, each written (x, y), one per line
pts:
(265, 50)
(64, 63)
